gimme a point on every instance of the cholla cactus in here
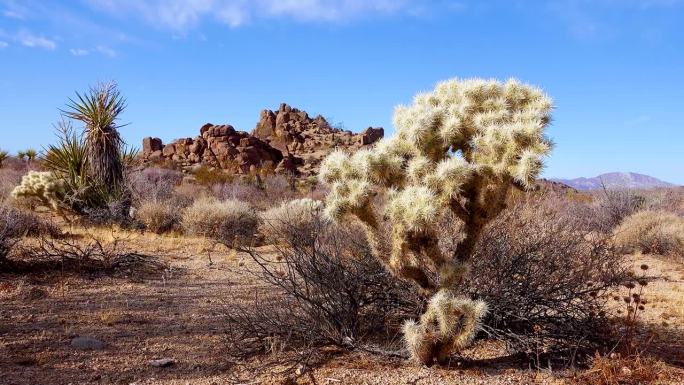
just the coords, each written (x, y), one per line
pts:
(461, 148)
(43, 186)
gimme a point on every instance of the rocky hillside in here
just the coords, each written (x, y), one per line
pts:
(287, 140)
(615, 180)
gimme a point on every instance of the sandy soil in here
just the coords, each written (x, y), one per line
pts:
(176, 313)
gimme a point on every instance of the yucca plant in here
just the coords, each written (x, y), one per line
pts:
(31, 154)
(67, 158)
(3, 156)
(21, 155)
(99, 110)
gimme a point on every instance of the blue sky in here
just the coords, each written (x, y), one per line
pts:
(615, 68)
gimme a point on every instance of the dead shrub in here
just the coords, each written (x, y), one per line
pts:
(271, 191)
(324, 288)
(613, 205)
(8, 238)
(9, 179)
(90, 255)
(652, 232)
(546, 277)
(117, 212)
(614, 369)
(153, 184)
(665, 199)
(159, 217)
(229, 222)
(20, 223)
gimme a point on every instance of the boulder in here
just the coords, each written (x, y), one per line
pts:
(371, 135)
(151, 145)
(169, 150)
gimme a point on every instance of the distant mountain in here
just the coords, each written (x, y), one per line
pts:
(615, 180)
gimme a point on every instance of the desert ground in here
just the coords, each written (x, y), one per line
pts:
(176, 313)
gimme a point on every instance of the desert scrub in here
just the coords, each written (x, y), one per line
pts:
(153, 184)
(159, 217)
(547, 277)
(653, 232)
(16, 223)
(292, 219)
(458, 150)
(228, 221)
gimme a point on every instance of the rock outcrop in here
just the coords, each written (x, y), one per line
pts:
(293, 132)
(286, 140)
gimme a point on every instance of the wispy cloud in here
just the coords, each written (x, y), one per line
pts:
(105, 51)
(3, 44)
(28, 39)
(586, 19)
(184, 14)
(79, 52)
(13, 9)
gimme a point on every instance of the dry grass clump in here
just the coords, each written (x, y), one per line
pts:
(291, 219)
(614, 369)
(228, 221)
(652, 232)
(159, 217)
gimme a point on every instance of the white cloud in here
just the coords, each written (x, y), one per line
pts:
(105, 51)
(3, 44)
(79, 52)
(27, 39)
(184, 14)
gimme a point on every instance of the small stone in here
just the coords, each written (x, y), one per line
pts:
(87, 343)
(162, 363)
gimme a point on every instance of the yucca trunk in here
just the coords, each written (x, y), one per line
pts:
(103, 147)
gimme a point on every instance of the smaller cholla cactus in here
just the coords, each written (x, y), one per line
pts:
(43, 186)
(448, 325)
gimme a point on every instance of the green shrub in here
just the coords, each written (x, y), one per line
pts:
(206, 176)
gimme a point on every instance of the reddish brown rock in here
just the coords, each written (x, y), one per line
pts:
(371, 135)
(288, 138)
(169, 150)
(151, 145)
